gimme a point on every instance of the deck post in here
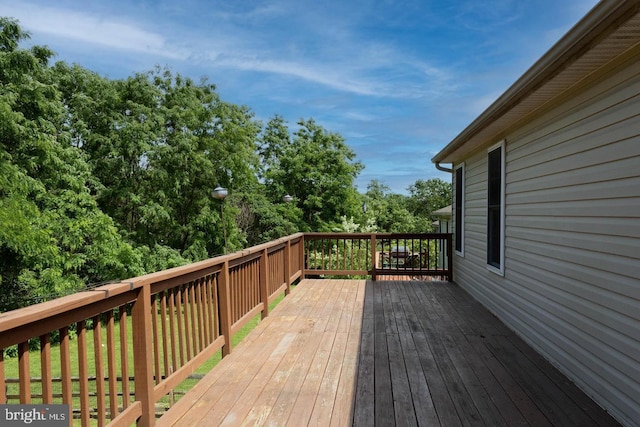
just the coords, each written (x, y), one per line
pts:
(287, 267)
(263, 281)
(142, 357)
(303, 260)
(3, 389)
(373, 257)
(225, 308)
(24, 373)
(449, 257)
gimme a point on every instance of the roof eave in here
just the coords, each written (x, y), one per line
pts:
(601, 20)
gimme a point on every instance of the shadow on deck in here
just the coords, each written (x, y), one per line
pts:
(355, 352)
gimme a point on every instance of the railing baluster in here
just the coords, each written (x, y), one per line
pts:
(181, 328)
(65, 368)
(193, 318)
(172, 327)
(185, 315)
(213, 307)
(111, 365)
(155, 353)
(202, 331)
(99, 367)
(124, 355)
(45, 369)
(206, 310)
(344, 254)
(83, 373)
(163, 332)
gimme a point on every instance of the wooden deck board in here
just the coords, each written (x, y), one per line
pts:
(350, 352)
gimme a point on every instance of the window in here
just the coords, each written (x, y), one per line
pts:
(495, 208)
(459, 209)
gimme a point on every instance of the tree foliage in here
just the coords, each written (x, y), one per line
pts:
(53, 237)
(104, 179)
(314, 166)
(398, 213)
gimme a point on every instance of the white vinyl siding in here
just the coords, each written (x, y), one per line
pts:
(571, 286)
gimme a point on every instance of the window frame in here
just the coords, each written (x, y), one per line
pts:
(459, 209)
(499, 234)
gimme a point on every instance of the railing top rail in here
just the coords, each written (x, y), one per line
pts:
(49, 309)
(378, 235)
(412, 235)
(207, 263)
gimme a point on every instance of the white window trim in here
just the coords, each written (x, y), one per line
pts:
(461, 251)
(501, 144)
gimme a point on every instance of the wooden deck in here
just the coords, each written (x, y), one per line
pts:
(349, 352)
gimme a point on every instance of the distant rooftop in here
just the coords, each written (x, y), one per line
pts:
(446, 211)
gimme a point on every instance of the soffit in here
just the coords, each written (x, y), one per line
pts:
(554, 74)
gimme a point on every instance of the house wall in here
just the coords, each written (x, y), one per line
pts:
(571, 286)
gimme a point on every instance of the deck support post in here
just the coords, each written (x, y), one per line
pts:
(263, 281)
(142, 357)
(303, 260)
(225, 308)
(374, 257)
(449, 257)
(287, 267)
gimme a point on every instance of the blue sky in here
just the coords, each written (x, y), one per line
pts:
(397, 79)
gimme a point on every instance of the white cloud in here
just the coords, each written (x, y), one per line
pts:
(368, 78)
(88, 28)
(307, 71)
(348, 64)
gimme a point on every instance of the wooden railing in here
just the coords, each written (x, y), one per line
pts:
(416, 255)
(156, 328)
(159, 328)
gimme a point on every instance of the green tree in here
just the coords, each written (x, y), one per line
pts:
(407, 214)
(103, 179)
(206, 143)
(158, 146)
(115, 123)
(314, 166)
(263, 214)
(428, 196)
(53, 238)
(388, 211)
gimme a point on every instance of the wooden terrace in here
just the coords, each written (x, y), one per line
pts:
(338, 351)
(364, 353)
